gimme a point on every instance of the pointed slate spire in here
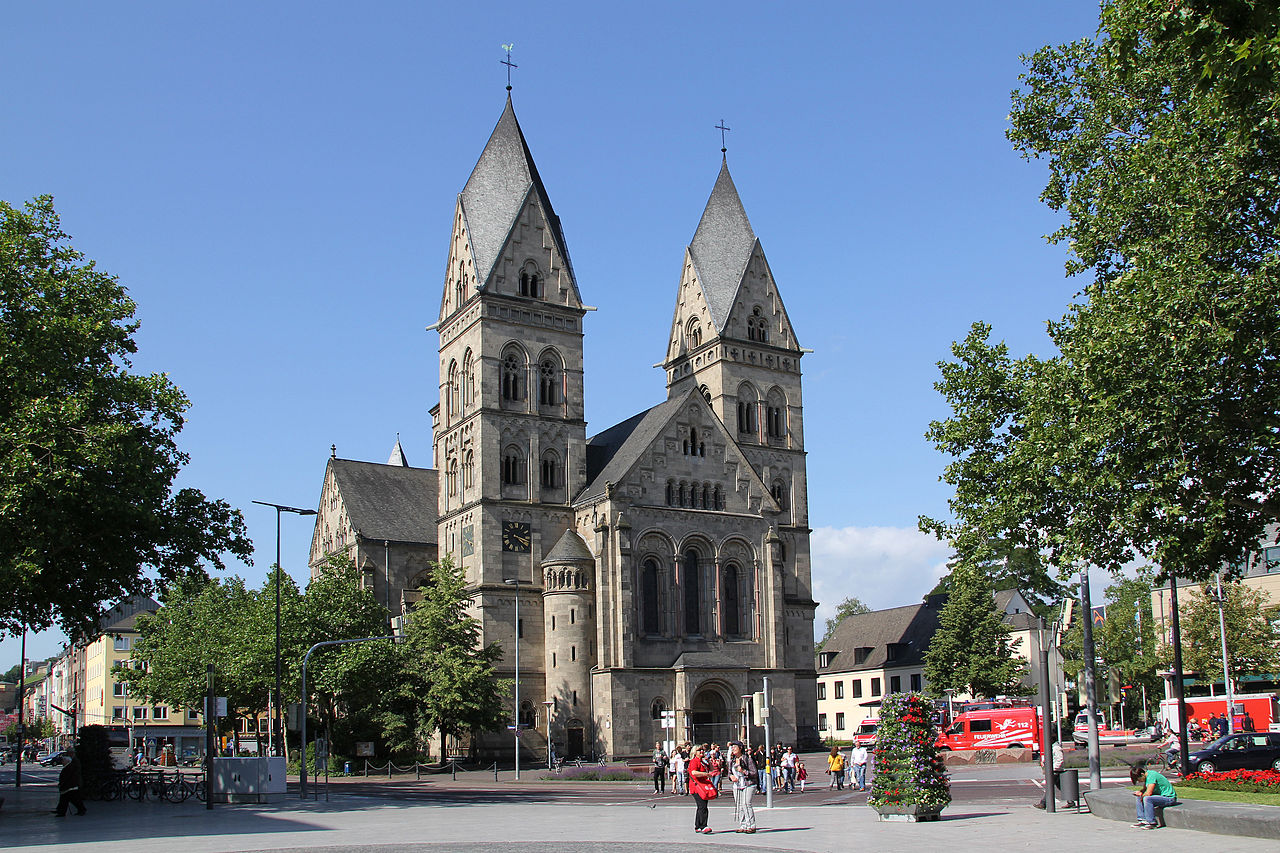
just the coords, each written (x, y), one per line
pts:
(397, 455)
(722, 246)
(501, 181)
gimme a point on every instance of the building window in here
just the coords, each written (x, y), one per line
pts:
(117, 713)
(452, 395)
(706, 394)
(468, 470)
(732, 598)
(839, 689)
(552, 474)
(857, 688)
(530, 284)
(746, 417)
(650, 622)
(512, 377)
(860, 655)
(575, 698)
(895, 684)
(468, 380)
(140, 712)
(822, 692)
(822, 721)
(719, 499)
(121, 644)
(512, 467)
(193, 715)
(451, 478)
(840, 721)
(692, 594)
(671, 492)
(120, 688)
(915, 682)
(773, 421)
(875, 687)
(657, 708)
(694, 333)
(779, 492)
(893, 651)
(548, 383)
(824, 659)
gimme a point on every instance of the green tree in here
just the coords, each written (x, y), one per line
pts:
(12, 676)
(39, 727)
(851, 606)
(971, 651)
(88, 452)
(1253, 641)
(447, 682)
(1008, 566)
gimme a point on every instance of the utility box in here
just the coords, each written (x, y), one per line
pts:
(248, 780)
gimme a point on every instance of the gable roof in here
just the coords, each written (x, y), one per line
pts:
(503, 178)
(912, 627)
(392, 502)
(722, 246)
(611, 453)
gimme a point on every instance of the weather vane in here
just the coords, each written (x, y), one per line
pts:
(723, 130)
(507, 62)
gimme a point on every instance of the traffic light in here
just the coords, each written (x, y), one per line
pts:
(759, 711)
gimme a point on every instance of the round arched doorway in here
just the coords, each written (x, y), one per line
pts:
(709, 720)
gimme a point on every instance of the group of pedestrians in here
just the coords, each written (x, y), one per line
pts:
(853, 768)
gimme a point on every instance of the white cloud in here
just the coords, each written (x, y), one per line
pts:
(882, 566)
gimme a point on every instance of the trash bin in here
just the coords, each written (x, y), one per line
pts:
(1069, 786)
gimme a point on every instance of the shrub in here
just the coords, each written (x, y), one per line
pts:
(1244, 781)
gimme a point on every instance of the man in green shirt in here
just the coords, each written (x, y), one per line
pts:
(1155, 792)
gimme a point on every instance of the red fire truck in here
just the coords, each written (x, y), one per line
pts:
(993, 728)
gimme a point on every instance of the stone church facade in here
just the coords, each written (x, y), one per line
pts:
(662, 564)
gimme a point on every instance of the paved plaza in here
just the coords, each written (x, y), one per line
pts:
(544, 817)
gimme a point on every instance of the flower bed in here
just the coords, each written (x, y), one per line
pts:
(596, 773)
(1245, 781)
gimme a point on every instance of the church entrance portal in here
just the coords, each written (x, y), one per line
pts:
(709, 719)
(575, 741)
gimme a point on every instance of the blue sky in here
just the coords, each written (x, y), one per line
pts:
(274, 183)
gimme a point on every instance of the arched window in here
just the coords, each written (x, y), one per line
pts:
(452, 396)
(468, 470)
(658, 707)
(719, 498)
(692, 593)
(779, 492)
(530, 282)
(671, 492)
(468, 380)
(693, 495)
(552, 473)
(775, 415)
(684, 493)
(748, 400)
(706, 496)
(460, 286)
(528, 717)
(732, 601)
(650, 618)
(512, 466)
(694, 333)
(706, 394)
(512, 375)
(548, 383)
(757, 329)
(451, 478)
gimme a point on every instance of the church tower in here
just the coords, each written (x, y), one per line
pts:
(732, 340)
(509, 430)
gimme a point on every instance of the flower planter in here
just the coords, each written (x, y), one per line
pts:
(909, 813)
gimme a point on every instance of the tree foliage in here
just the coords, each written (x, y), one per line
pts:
(1006, 566)
(1253, 640)
(447, 682)
(88, 451)
(851, 606)
(971, 651)
(1155, 431)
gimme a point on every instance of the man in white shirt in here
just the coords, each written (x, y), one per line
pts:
(858, 763)
(680, 782)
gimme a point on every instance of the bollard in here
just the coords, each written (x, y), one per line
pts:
(366, 768)
(495, 771)
(454, 765)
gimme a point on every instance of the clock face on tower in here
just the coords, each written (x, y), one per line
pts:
(516, 536)
(468, 540)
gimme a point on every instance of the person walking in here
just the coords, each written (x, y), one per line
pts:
(69, 781)
(835, 766)
(1057, 759)
(761, 759)
(858, 764)
(742, 774)
(701, 788)
(789, 759)
(1154, 792)
(659, 769)
(679, 769)
(801, 773)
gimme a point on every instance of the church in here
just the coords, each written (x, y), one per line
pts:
(662, 565)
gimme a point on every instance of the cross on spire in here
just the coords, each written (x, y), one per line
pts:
(723, 129)
(507, 62)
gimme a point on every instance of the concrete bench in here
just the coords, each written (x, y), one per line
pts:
(1202, 815)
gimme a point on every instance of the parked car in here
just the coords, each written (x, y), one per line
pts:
(1244, 751)
(53, 758)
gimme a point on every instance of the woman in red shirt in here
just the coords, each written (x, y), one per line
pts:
(700, 787)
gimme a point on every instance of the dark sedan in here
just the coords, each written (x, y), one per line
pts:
(1244, 751)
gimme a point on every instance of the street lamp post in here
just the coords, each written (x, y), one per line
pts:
(276, 725)
(516, 627)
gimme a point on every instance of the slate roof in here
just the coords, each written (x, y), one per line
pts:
(123, 616)
(707, 660)
(570, 549)
(611, 453)
(501, 181)
(392, 502)
(722, 246)
(912, 626)
(397, 456)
